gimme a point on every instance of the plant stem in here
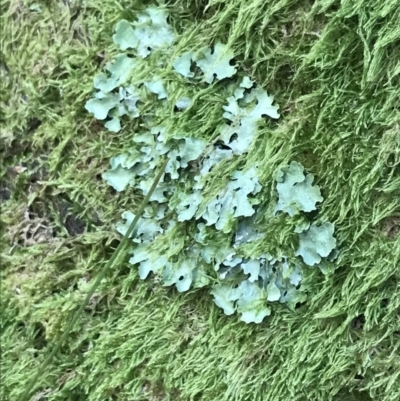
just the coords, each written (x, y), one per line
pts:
(96, 283)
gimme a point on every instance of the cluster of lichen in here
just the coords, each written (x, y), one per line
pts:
(245, 283)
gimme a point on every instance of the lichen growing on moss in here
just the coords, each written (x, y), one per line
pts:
(333, 69)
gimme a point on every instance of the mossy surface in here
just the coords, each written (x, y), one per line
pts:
(333, 67)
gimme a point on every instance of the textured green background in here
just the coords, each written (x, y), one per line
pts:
(334, 68)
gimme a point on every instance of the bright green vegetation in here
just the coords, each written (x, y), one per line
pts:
(311, 197)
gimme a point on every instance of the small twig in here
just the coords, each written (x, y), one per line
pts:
(92, 290)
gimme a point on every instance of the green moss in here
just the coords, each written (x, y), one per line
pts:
(333, 68)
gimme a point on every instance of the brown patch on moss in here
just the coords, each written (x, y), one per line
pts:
(31, 230)
(392, 227)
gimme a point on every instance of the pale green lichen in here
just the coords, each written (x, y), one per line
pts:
(247, 284)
